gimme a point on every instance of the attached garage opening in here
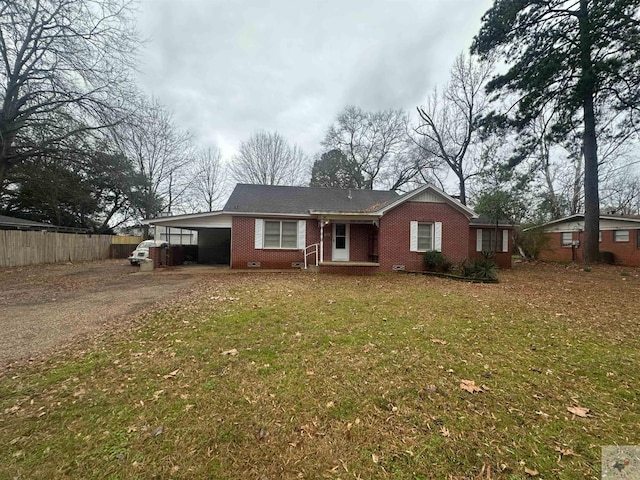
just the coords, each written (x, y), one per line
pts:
(214, 246)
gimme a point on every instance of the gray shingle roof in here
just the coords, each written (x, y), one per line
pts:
(15, 222)
(300, 200)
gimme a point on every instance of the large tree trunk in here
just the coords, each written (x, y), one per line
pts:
(591, 250)
(463, 190)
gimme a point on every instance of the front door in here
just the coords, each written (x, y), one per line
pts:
(340, 251)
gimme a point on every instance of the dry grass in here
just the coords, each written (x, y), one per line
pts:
(339, 377)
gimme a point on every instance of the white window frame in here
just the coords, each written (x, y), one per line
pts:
(436, 236)
(563, 243)
(626, 238)
(502, 247)
(260, 234)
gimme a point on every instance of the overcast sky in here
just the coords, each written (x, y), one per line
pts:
(230, 67)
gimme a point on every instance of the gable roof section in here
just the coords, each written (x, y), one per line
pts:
(269, 199)
(579, 217)
(428, 187)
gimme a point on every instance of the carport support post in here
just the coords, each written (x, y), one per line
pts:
(321, 240)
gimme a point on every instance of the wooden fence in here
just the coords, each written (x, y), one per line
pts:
(19, 248)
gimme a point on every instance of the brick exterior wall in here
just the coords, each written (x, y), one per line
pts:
(394, 235)
(243, 246)
(625, 253)
(394, 239)
(503, 259)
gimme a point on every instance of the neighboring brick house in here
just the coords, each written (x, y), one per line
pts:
(355, 231)
(619, 235)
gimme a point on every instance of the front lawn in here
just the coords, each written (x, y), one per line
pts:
(321, 376)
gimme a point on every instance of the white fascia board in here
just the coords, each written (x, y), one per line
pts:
(187, 216)
(193, 222)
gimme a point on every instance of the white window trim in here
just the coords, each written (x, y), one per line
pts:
(300, 238)
(505, 240)
(436, 236)
(566, 245)
(621, 241)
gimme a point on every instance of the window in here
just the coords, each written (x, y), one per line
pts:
(600, 236)
(425, 237)
(489, 241)
(621, 235)
(567, 239)
(280, 234)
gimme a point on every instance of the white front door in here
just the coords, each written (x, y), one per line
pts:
(340, 251)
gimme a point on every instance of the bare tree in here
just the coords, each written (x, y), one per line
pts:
(266, 158)
(209, 178)
(65, 69)
(449, 120)
(159, 152)
(377, 142)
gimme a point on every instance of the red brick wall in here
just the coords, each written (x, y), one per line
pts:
(625, 253)
(502, 258)
(359, 242)
(394, 237)
(243, 246)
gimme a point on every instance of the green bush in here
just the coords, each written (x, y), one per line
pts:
(436, 262)
(484, 269)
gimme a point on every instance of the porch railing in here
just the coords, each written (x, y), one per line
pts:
(311, 250)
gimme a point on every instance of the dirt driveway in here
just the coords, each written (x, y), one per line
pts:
(45, 307)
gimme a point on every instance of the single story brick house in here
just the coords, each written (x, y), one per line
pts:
(619, 235)
(348, 231)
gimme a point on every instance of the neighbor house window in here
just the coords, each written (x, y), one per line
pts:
(280, 234)
(621, 235)
(567, 239)
(425, 237)
(600, 236)
(489, 241)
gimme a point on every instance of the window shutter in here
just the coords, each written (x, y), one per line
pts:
(437, 236)
(258, 238)
(479, 240)
(302, 234)
(414, 237)
(505, 240)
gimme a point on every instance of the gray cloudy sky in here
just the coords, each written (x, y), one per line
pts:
(230, 67)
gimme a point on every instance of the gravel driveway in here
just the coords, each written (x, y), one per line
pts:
(45, 307)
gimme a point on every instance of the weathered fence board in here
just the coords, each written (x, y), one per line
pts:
(19, 248)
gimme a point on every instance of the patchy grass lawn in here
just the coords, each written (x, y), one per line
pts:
(305, 376)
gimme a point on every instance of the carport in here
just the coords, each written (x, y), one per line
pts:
(214, 234)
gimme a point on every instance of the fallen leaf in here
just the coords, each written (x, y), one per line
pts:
(566, 452)
(579, 411)
(330, 404)
(231, 352)
(375, 458)
(445, 432)
(542, 414)
(470, 386)
(157, 431)
(437, 340)
(532, 473)
(171, 374)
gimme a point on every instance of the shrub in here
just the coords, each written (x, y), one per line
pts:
(484, 269)
(436, 262)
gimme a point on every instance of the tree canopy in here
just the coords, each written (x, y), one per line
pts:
(579, 57)
(334, 170)
(65, 69)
